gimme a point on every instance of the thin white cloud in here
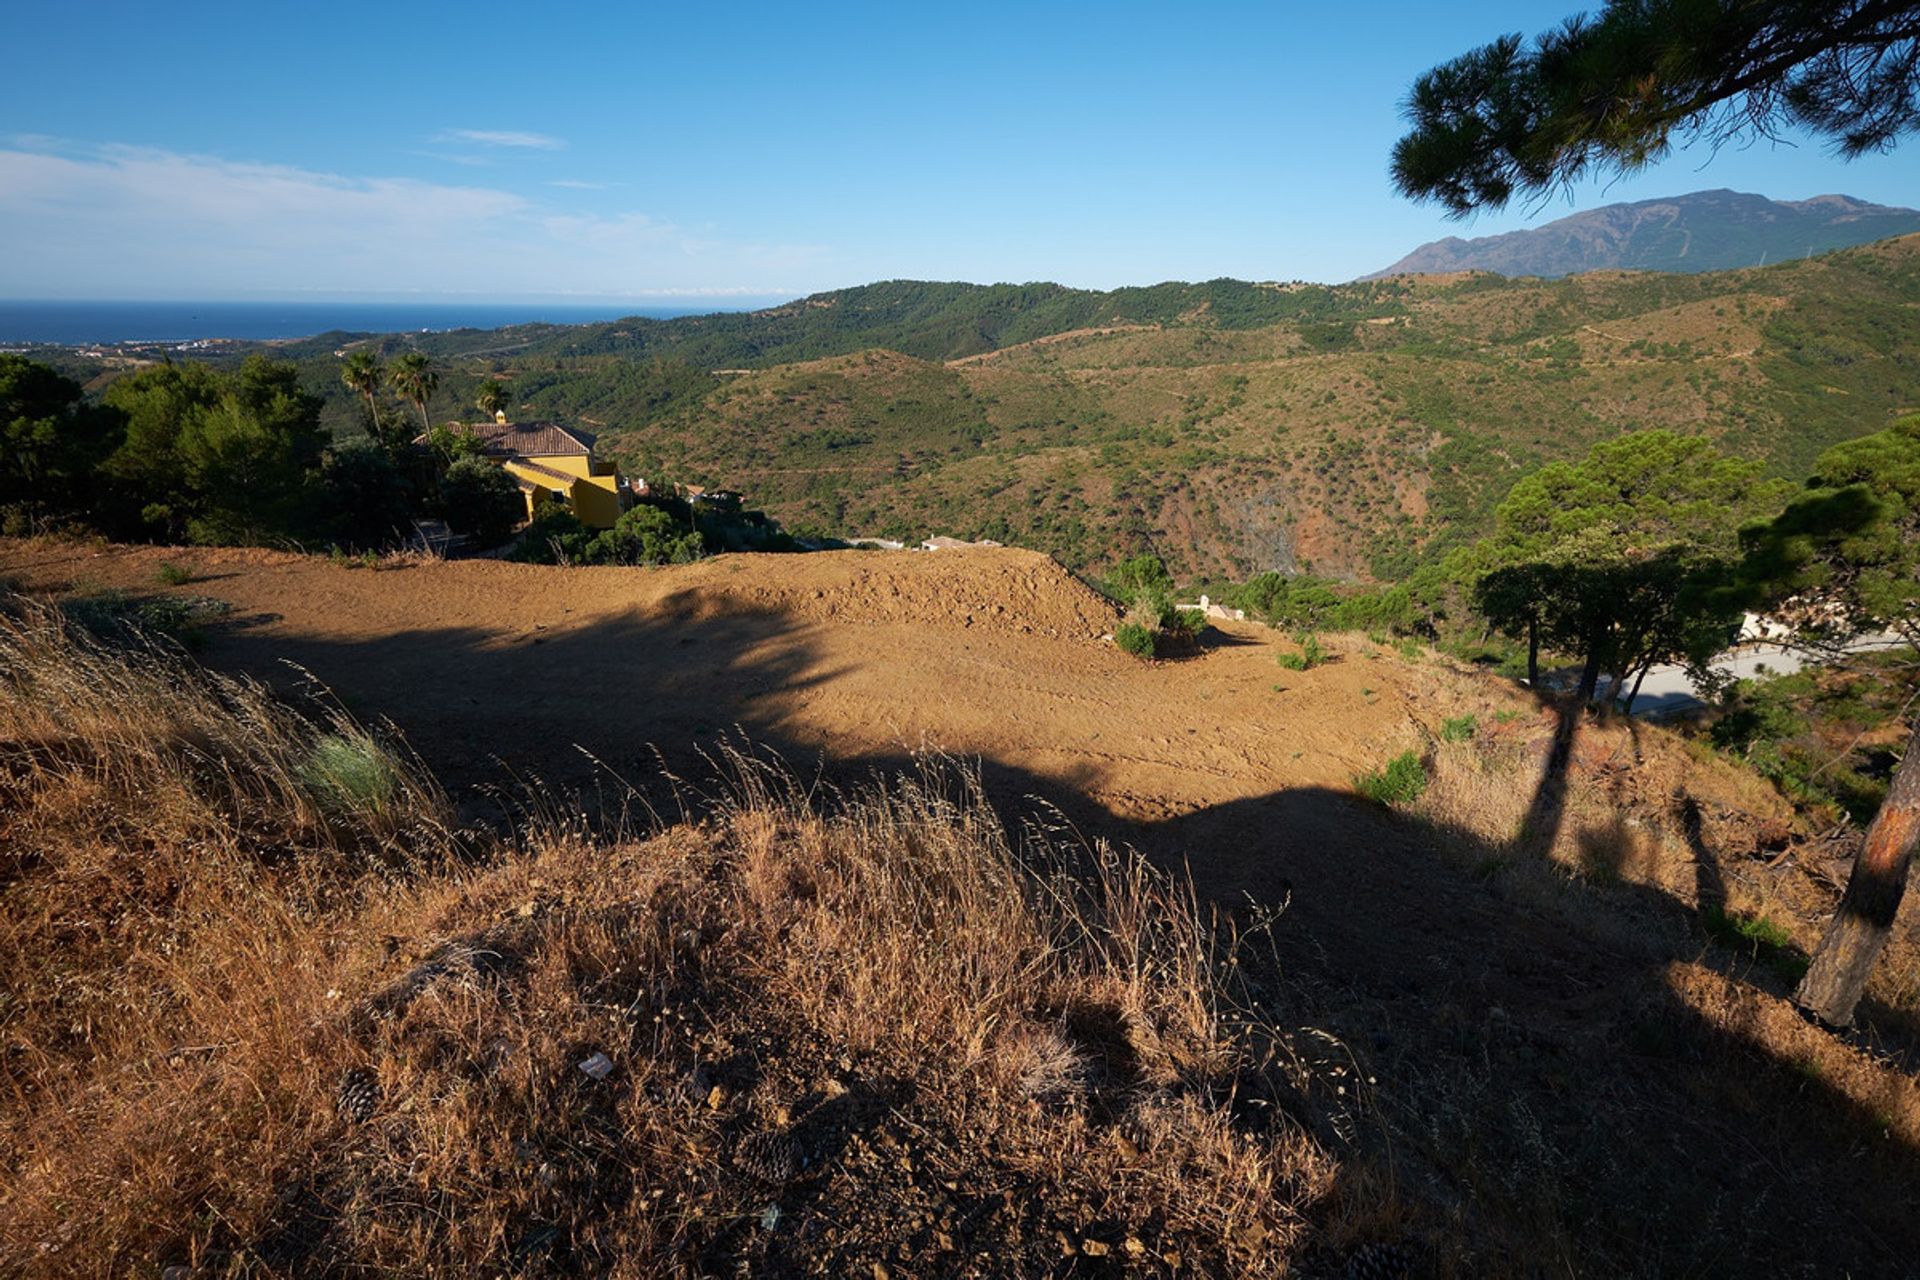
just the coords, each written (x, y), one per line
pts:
(577, 184)
(502, 138)
(138, 222)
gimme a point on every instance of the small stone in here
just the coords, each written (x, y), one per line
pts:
(944, 1240)
(716, 1097)
(1067, 1247)
(1095, 1248)
(882, 1272)
(1135, 1246)
(599, 1066)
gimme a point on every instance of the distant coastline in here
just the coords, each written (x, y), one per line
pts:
(82, 323)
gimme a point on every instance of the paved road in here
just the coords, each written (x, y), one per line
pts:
(1667, 691)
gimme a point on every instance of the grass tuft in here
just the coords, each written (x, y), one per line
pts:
(350, 771)
(1400, 783)
(1765, 940)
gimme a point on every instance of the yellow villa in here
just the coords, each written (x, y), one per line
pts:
(551, 461)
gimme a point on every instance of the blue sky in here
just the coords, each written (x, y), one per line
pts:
(740, 151)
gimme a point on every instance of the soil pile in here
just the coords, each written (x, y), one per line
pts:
(987, 590)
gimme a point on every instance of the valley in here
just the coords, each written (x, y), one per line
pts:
(1352, 431)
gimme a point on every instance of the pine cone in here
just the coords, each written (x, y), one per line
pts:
(1379, 1262)
(768, 1156)
(359, 1095)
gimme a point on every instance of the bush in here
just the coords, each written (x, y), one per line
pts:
(644, 535)
(115, 615)
(1134, 639)
(554, 536)
(170, 574)
(480, 500)
(1143, 575)
(1400, 783)
(1311, 654)
(366, 499)
(1458, 728)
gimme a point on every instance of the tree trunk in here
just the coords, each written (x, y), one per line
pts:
(1613, 690)
(1533, 653)
(1635, 691)
(1589, 679)
(1860, 927)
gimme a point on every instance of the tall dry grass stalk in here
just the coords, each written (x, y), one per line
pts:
(265, 1013)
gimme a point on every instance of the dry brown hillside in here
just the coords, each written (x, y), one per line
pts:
(1528, 1033)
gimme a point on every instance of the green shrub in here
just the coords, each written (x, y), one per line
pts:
(1134, 639)
(348, 772)
(1140, 576)
(644, 535)
(554, 536)
(1401, 783)
(480, 500)
(1311, 654)
(1458, 728)
(116, 615)
(170, 574)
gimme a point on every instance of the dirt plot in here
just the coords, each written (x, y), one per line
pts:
(989, 653)
(1558, 1042)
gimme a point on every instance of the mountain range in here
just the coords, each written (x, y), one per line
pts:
(1704, 231)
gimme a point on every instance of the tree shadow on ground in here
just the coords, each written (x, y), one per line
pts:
(1549, 1091)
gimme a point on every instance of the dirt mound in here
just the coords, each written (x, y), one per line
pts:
(987, 590)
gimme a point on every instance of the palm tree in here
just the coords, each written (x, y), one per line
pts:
(413, 378)
(494, 397)
(361, 372)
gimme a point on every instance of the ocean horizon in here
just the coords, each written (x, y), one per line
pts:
(80, 323)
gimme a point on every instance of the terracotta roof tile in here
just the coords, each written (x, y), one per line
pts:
(539, 469)
(530, 439)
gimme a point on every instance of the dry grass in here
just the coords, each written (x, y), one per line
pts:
(808, 1032)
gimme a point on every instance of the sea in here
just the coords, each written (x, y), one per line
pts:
(82, 323)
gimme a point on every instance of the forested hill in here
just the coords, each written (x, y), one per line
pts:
(1352, 430)
(1704, 231)
(928, 319)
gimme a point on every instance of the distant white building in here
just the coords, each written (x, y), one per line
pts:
(941, 542)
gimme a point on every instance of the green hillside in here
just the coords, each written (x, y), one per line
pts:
(1378, 431)
(1233, 427)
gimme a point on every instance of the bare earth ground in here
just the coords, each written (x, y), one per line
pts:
(1546, 1058)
